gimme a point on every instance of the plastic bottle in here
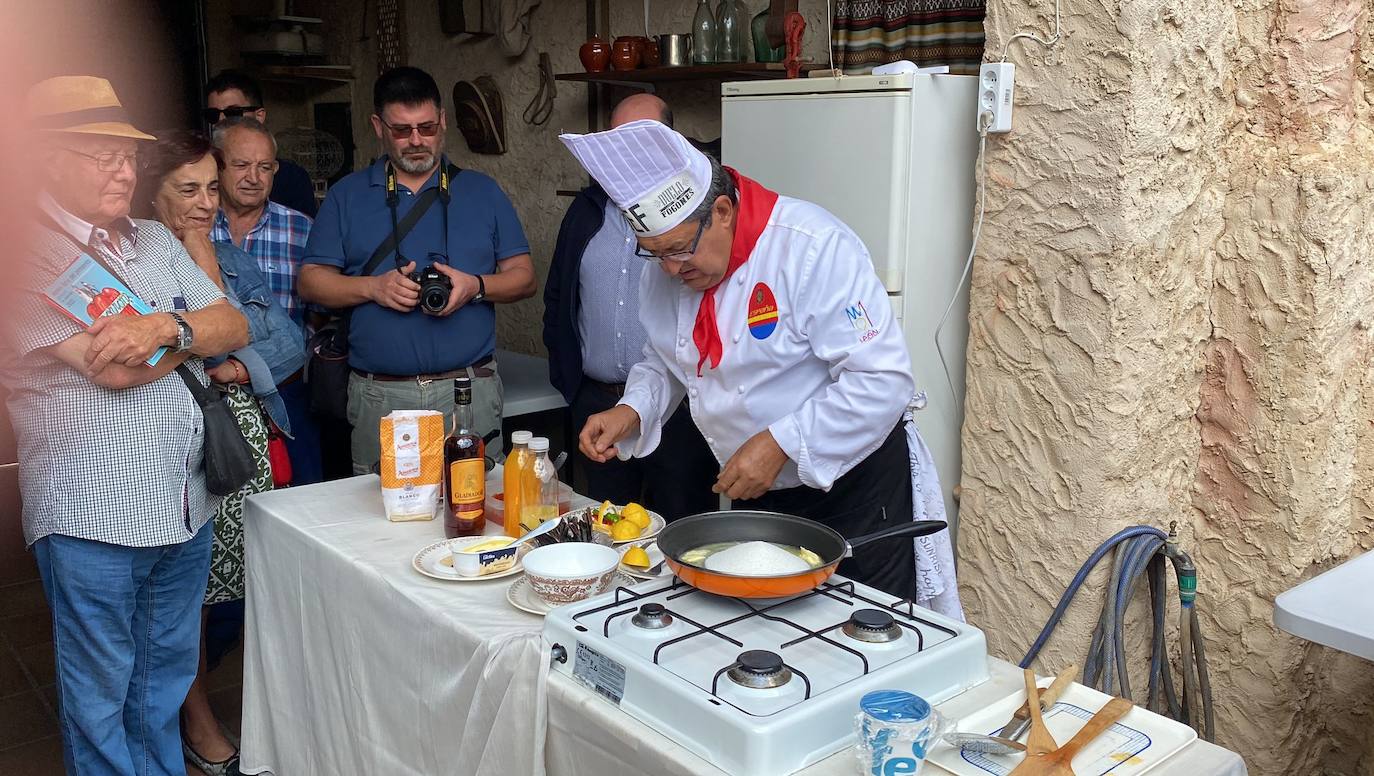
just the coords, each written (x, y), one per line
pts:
(518, 465)
(543, 502)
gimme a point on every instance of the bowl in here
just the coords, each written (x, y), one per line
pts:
(570, 571)
(468, 561)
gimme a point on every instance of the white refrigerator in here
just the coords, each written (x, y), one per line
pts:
(892, 156)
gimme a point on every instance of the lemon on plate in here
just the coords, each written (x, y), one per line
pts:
(625, 530)
(636, 557)
(636, 514)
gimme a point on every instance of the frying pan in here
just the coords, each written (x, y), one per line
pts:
(689, 533)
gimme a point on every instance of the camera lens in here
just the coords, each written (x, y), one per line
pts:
(434, 298)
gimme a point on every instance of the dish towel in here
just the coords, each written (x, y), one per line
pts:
(936, 587)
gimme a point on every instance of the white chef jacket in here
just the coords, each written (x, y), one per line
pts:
(830, 381)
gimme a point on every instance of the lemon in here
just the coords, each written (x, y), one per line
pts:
(637, 557)
(606, 508)
(625, 530)
(636, 514)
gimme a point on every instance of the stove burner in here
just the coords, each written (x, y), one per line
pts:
(759, 669)
(652, 617)
(873, 626)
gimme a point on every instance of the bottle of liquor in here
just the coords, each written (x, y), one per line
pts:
(465, 471)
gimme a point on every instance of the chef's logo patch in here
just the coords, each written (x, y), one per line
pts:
(763, 312)
(859, 319)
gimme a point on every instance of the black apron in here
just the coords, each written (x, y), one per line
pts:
(855, 506)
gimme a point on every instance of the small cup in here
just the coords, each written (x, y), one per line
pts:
(478, 564)
(896, 729)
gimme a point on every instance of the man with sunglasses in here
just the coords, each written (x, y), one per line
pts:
(594, 338)
(233, 94)
(401, 356)
(766, 314)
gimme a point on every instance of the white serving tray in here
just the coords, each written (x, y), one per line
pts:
(1137, 743)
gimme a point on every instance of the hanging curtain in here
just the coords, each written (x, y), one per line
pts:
(864, 33)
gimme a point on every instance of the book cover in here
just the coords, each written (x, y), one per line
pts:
(86, 291)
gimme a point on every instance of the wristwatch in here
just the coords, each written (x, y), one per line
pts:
(186, 337)
(481, 290)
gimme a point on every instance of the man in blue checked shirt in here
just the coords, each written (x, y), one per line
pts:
(275, 235)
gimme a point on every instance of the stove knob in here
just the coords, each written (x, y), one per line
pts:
(559, 653)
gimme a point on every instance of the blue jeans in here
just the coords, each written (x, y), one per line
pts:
(304, 446)
(126, 634)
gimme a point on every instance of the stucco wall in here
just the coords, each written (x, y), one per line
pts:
(1169, 321)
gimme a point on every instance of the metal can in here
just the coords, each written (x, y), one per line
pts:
(895, 730)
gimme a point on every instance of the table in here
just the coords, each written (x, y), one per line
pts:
(355, 663)
(1334, 608)
(525, 380)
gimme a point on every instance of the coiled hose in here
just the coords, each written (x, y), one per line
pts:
(1143, 549)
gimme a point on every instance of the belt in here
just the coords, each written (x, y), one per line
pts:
(615, 389)
(478, 369)
(295, 376)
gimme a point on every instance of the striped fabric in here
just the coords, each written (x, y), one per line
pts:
(865, 33)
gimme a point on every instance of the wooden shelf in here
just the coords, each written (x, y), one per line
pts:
(306, 73)
(736, 71)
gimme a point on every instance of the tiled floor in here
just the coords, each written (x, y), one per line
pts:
(29, 743)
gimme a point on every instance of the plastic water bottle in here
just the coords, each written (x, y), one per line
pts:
(545, 505)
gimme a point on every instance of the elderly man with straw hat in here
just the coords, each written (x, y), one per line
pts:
(768, 317)
(110, 447)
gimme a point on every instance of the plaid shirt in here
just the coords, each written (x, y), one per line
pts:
(117, 466)
(278, 243)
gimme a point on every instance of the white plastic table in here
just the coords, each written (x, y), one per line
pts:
(1333, 609)
(526, 384)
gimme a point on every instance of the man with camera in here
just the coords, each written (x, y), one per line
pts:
(441, 247)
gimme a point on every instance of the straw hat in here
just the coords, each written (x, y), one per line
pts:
(82, 104)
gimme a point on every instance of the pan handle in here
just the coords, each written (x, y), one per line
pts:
(913, 528)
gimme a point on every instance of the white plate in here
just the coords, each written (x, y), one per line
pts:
(436, 560)
(523, 597)
(656, 524)
(655, 556)
(1135, 744)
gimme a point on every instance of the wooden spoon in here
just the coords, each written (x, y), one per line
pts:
(1039, 740)
(1057, 763)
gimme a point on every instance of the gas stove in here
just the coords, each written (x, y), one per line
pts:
(759, 687)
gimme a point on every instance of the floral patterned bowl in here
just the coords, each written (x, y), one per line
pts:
(570, 571)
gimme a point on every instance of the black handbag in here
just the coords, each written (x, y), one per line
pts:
(229, 462)
(326, 367)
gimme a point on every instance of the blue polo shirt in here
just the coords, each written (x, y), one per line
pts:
(483, 229)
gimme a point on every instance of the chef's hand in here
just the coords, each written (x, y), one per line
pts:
(128, 340)
(604, 429)
(464, 288)
(750, 472)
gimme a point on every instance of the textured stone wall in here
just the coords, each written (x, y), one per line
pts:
(1169, 319)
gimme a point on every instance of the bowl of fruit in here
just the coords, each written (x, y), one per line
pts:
(629, 523)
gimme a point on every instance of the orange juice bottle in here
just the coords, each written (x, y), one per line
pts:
(517, 464)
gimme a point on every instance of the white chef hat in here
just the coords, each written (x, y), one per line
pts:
(650, 172)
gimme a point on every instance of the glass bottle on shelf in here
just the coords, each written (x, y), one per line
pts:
(518, 465)
(544, 505)
(763, 50)
(704, 34)
(727, 32)
(465, 472)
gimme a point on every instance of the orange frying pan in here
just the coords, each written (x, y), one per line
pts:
(689, 533)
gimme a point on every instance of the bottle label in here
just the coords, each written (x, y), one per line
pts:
(468, 483)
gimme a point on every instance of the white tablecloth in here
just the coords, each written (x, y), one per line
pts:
(356, 664)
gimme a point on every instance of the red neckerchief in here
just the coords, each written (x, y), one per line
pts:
(755, 208)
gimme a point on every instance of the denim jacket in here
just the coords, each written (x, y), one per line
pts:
(277, 345)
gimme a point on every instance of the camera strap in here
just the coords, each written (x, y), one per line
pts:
(399, 230)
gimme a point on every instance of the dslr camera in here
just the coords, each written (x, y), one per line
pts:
(434, 289)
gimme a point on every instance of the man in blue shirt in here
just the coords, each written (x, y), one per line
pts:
(401, 356)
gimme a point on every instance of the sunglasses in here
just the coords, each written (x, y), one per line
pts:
(402, 131)
(211, 115)
(659, 258)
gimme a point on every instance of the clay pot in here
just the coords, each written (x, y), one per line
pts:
(595, 54)
(650, 57)
(625, 54)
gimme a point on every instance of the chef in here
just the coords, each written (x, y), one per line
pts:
(767, 314)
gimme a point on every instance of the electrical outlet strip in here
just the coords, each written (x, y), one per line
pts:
(995, 82)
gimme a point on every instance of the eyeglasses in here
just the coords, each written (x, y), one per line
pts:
(211, 115)
(264, 168)
(109, 161)
(402, 131)
(656, 258)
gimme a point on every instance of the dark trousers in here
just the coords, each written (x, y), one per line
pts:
(304, 445)
(855, 506)
(675, 480)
